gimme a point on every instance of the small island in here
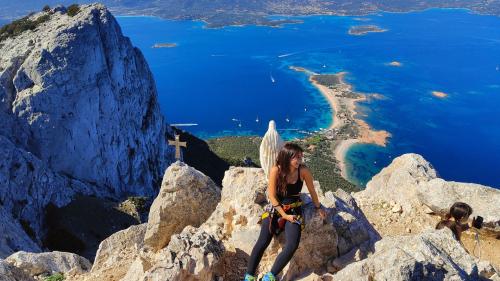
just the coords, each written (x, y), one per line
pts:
(164, 45)
(365, 29)
(439, 94)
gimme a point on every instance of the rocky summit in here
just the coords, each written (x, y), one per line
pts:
(188, 240)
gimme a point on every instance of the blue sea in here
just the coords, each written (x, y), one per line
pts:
(226, 79)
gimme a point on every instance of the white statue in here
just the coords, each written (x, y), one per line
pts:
(269, 148)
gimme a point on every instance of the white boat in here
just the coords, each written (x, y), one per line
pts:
(498, 68)
(272, 79)
(239, 125)
(257, 120)
(324, 65)
(305, 109)
(234, 119)
(287, 120)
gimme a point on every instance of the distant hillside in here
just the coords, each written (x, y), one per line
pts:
(230, 12)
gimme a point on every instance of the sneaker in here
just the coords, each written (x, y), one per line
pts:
(269, 277)
(249, 277)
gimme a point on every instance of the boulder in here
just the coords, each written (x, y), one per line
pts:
(48, 263)
(187, 197)
(432, 255)
(117, 252)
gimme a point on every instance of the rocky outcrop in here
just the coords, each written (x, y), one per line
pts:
(187, 197)
(433, 255)
(410, 185)
(44, 264)
(439, 195)
(79, 114)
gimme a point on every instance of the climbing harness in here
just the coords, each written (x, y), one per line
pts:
(293, 209)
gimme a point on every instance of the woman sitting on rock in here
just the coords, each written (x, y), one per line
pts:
(457, 219)
(285, 183)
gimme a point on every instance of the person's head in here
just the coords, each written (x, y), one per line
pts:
(289, 158)
(460, 212)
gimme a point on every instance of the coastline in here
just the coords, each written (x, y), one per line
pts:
(345, 128)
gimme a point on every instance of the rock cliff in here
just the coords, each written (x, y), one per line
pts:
(79, 114)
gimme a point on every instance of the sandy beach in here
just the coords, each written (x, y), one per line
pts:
(343, 101)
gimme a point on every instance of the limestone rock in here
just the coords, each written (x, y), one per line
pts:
(82, 99)
(432, 255)
(117, 252)
(439, 195)
(9, 272)
(48, 263)
(399, 181)
(27, 186)
(13, 237)
(190, 255)
(79, 114)
(269, 148)
(187, 197)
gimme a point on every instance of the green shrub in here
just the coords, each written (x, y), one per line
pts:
(73, 10)
(46, 8)
(19, 26)
(54, 277)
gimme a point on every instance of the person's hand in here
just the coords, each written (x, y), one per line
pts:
(291, 218)
(322, 213)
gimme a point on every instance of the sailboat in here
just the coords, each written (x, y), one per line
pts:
(305, 109)
(272, 79)
(287, 120)
(257, 120)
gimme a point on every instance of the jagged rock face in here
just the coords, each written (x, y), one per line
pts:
(81, 98)
(187, 197)
(432, 255)
(27, 185)
(49, 263)
(13, 236)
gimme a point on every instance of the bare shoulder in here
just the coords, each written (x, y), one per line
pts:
(274, 170)
(304, 171)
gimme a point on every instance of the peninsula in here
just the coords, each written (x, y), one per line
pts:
(345, 129)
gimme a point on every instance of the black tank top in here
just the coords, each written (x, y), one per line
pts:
(292, 191)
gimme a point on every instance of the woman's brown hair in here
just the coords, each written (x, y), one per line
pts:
(289, 151)
(458, 211)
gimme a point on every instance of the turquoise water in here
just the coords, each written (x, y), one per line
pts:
(216, 75)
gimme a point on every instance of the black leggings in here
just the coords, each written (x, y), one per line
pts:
(292, 235)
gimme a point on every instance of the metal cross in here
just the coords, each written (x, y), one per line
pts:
(178, 145)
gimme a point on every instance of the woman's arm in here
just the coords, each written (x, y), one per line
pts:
(306, 174)
(271, 190)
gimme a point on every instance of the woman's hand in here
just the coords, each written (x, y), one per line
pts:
(291, 218)
(322, 213)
